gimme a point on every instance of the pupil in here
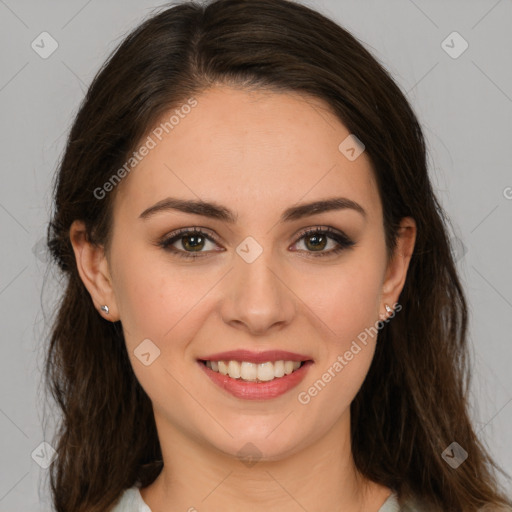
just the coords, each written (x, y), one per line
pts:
(316, 243)
(191, 242)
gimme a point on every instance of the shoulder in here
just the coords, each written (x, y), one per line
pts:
(392, 504)
(131, 501)
(417, 505)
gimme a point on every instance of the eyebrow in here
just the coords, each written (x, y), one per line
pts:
(218, 212)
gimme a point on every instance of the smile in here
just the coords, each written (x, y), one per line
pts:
(254, 372)
(255, 381)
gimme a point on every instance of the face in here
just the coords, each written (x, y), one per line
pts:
(276, 277)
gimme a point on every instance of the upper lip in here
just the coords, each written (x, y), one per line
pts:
(256, 357)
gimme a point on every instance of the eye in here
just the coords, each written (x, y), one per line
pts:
(317, 239)
(191, 240)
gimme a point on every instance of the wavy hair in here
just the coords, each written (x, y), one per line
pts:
(414, 400)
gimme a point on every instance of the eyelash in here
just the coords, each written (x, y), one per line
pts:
(344, 242)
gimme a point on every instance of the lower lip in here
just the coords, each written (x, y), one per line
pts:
(258, 390)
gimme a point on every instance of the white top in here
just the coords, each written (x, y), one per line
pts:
(131, 501)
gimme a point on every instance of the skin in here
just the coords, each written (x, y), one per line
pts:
(256, 153)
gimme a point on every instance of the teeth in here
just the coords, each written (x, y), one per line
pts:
(249, 371)
(288, 367)
(279, 368)
(266, 371)
(223, 368)
(234, 369)
(252, 372)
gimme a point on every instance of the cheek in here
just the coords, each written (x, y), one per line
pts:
(349, 301)
(348, 304)
(349, 309)
(160, 304)
(159, 301)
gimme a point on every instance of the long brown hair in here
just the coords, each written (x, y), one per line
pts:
(413, 403)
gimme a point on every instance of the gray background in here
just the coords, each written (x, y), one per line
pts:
(464, 105)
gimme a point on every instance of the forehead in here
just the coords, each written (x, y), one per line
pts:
(251, 150)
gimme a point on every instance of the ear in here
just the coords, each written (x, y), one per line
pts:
(93, 268)
(396, 271)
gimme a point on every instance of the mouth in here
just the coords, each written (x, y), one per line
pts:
(247, 371)
(255, 375)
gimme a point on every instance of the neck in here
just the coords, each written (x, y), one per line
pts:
(322, 476)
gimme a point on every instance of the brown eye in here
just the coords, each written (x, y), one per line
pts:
(316, 240)
(192, 242)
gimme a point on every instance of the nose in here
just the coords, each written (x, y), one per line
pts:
(257, 298)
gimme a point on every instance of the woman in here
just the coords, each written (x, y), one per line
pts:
(262, 308)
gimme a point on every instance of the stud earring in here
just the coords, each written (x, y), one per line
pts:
(105, 308)
(385, 316)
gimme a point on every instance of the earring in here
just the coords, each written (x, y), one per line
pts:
(105, 308)
(384, 316)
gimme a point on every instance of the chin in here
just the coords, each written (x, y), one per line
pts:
(258, 445)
